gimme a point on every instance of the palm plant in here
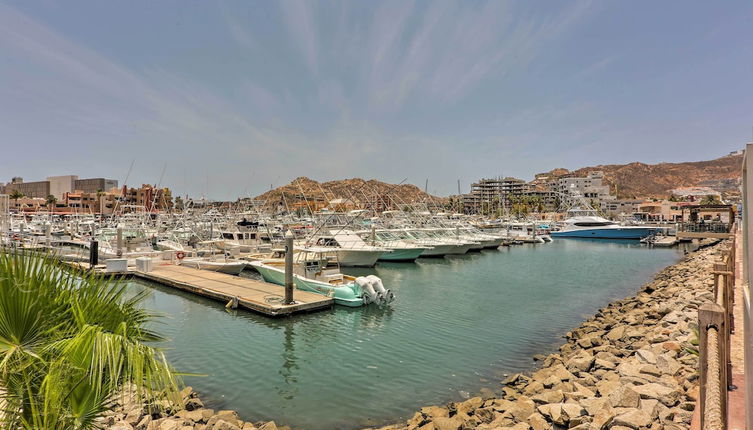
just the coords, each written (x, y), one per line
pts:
(70, 345)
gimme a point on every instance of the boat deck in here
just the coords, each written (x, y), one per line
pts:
(250, 294)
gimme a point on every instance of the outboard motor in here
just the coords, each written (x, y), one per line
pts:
(386, 295)
(367, 291)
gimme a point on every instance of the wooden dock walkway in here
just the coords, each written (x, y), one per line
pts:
(258, 296)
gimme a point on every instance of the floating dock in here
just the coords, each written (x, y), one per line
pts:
(256, 296)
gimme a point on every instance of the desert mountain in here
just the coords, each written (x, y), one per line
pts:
(380, 194)
(657, 180)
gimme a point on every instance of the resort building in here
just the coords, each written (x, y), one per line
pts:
(662, 211)
(39, 189)
(695, 193)
(590, 187)
(149, 197)
(620, 208)
(58, 186)
(94, 185)
(494, 192)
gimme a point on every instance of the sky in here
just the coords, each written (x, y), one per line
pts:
(225, 99)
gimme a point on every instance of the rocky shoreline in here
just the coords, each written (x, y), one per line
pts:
(630, 366)
(129, 414)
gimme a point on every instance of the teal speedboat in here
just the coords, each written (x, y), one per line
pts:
(316, 270)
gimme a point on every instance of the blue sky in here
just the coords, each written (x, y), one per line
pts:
(228, 98)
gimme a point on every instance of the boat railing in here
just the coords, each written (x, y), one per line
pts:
(715, 326)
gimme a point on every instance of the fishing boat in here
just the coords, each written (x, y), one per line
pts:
(317, 270)
(351, 250)
(400, 250)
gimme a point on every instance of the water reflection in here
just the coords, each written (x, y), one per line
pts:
(289, 365)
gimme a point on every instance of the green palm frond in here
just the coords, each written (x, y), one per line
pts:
(69, 344)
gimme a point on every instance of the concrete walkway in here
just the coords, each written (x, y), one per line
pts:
(736, 409)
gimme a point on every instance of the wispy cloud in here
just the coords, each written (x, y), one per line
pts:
(454, 48)
(299, 18)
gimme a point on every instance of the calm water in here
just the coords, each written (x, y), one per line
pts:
(457, 326)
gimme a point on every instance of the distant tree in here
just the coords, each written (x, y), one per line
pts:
(15, 195)
(710, 200)
(51, 201)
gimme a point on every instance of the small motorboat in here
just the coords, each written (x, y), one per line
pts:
(230, 267)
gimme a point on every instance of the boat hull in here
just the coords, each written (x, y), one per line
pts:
(234, 268)
(358, 258)
(343, 295)
(608, 233)
(437, 251)
(461, 249)
(402, 254)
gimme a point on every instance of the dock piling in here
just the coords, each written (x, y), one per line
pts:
(120, 242)
(93, 253)
(288, 267)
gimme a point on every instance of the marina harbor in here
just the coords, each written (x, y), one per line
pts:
(376, 215)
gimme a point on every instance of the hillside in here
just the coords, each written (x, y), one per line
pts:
(657, 180)
(356, 192)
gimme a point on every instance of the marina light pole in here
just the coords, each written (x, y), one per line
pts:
(288, 268)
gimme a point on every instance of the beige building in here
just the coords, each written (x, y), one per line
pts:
(39, 189)
(59, 185)
(617, 208)
(94, 185)
(664, 210)
(590, 187)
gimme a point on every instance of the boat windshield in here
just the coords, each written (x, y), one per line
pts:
(593, 223)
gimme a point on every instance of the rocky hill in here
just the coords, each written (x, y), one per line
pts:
(657, 180)
(354, 192)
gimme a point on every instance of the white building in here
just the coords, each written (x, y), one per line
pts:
(590, 187)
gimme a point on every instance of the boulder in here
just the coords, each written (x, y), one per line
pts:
(469, 405)
(538, 422)
(606, 387)
(194, 403)
(616, 333)
(171, 424)
(224, 425)
(624, 397)
(560, 413)
(522, 408)
(268, 426)
(603, 418)
(668, 396)
(548, 397)
(435, 412)
(581, 362)
(445, 423)
(646, 356)
(633, 418)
